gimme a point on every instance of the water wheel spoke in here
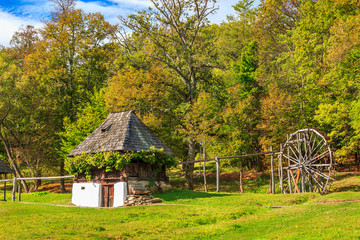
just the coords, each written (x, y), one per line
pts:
(318, 184)
(321, 156)
(290, 158)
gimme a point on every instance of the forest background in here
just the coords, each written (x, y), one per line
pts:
(236, 87)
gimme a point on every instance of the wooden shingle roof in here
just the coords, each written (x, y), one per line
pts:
(121, 131)
(4, 168)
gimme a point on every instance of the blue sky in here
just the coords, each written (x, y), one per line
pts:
(17, 13)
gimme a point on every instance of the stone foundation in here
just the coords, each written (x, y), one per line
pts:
(138, 200)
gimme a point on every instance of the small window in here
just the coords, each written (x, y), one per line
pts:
(106, 129)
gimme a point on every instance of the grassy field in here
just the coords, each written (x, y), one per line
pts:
(192, 215)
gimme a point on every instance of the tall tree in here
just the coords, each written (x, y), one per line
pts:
(171, 33)
(71, 62)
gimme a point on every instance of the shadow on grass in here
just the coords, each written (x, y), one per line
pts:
(350, 188)
(175, 194)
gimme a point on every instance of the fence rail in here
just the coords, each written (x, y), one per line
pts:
(15, 180)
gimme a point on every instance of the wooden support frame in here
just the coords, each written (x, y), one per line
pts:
(17, 181)
(217, 161)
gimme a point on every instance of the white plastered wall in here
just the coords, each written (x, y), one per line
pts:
(120, 194)
(87, 194)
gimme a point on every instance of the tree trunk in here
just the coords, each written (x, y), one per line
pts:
(12, 162)
(189, 167)
(62, 181)
(357, 162)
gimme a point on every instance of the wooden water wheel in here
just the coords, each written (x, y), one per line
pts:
(305, 163)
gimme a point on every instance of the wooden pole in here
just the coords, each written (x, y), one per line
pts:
(14, 189)
(241, 177)
(217, 175)
(272, 172)
(204, 173)
(4, 191)
(19, 192)
(281, 170)
(289, 181)
(204, 169)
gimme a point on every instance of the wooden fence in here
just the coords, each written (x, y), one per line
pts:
(217, 161)
(15, 180)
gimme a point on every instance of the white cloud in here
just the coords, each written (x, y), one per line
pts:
(10, 24)
(34, 11)
(140, 3)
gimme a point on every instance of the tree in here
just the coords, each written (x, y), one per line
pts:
(71, 61)
(9, 76)
(171, 33)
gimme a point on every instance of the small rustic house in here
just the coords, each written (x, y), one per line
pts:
(121, 132)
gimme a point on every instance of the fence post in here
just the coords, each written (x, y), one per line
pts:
(19, 191)
(14, 189)
(217, 175)
(281, 170)
(5, 190)
(272, 172)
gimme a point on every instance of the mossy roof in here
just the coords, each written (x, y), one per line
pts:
(121, 131)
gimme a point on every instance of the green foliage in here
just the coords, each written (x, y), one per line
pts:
(88, 118)
(85, 163)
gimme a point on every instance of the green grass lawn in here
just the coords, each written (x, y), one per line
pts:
(191, 215)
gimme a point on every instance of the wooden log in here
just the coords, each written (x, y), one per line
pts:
(14, 189)
(272, 182)
(217, 174)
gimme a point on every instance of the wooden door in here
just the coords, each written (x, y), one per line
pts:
(108, 195)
